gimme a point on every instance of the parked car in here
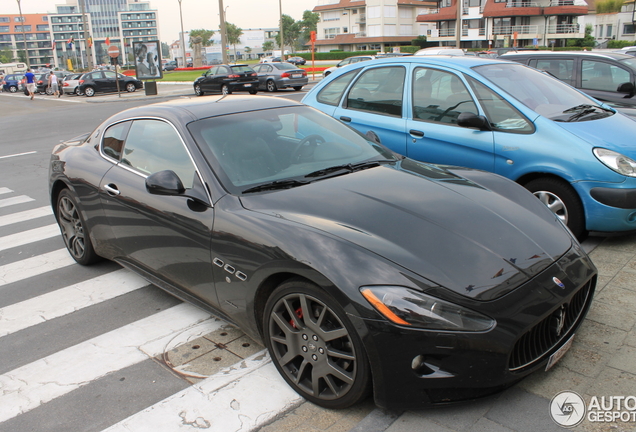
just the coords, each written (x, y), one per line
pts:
(42, 82)
(296, 60)
(440, 51)
(269, 60)
(226, 79)
(107, 81)
(274, 76)
(171, 65)
(629, 50)
(574, 153)
(12, 82)
(70, 84)
(356, 267)
(346, 62)
(606, 76)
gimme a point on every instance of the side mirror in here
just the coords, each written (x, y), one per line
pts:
(164, 183)
(472, 120)
(627, 88)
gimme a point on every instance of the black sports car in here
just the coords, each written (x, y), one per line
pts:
(358, 268)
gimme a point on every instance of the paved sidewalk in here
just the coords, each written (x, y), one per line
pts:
(601, 362)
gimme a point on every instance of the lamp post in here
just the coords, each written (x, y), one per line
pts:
(458, 27)
(183, 49)
(26, 53)
(282, 39)
(223, 32)
(89, 50)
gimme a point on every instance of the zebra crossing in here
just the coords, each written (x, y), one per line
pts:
(87, 355)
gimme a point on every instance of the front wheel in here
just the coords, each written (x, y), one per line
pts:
(197, 90)
(130, 87)
(74, 230)
(314, 345)
(225, 90)
(89, 91)
(562, 200)
(13, 89)
(271, 86)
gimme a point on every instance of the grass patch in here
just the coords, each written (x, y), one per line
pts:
(189, 76)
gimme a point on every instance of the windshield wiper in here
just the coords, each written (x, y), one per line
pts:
(349, 167)
(277, 184)
(584, 110)
(584, 107)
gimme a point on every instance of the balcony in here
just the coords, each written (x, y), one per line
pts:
(522, 4)
(563, 29)
(362, 18)
(522, 30)
(450, 32)
(361, 34)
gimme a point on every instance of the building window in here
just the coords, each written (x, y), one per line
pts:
(331, 33)
(45, 19)
(18, 19)
(406, 29)
(608, 31)
(600, 31)
(390, 11)
(18, 28)
(628, 29)
(4, 29)
(374, 30)
(5, 19)
(374, 12)
(42, 27)
(445, 3)
(406, 12)
(390, 30)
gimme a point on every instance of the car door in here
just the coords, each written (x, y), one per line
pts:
(601, 79)
(110, 82)
(218, 79)
(374, 105)
(167, 236)
(437, 98)
(263, 72)
(206, 82)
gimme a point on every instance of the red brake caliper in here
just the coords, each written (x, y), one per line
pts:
(299, 314)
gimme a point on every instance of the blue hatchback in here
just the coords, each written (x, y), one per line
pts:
(574, 153)
(11, 82)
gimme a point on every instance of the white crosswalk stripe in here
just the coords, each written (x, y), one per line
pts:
(229, 400)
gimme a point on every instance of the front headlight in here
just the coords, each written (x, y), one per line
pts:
(408, 307)
(616, 161)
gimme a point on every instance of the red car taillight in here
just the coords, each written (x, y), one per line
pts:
(65, 84)
(284, 75)
(254, 74)
(233, 76)
(81, 81)
(40, 82)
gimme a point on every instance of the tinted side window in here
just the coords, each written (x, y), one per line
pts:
(153, 146)
(110, 75)
(379, 90)
(596, 75)
(501, 115)
(114, 138)
(561, 68)
(440, 96)
(332, 93)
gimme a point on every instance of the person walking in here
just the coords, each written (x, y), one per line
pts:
(53, 84)
(30, 82)
(1, 81)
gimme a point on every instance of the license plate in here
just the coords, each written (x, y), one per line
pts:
(247, 85)
(296, 75)
(554, 358)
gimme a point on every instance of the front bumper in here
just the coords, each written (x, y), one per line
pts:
(413, 368)
(609, 207)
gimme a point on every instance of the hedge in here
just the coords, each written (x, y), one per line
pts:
(340, 55)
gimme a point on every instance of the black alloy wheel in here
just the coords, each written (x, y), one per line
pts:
(270, 85)
(73, 228)
(562, 200)
(130, 87)
(314, 346)
(197, 90)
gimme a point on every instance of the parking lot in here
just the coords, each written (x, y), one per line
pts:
(227, 380)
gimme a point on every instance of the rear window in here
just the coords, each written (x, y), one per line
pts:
(243, 69)
(285, 66)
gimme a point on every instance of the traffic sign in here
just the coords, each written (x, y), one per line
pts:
(113, 51)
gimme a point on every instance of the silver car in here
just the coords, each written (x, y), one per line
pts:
(70, 84)
(274, 76)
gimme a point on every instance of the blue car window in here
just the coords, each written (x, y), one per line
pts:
(379, 90)
(596, 75)
(332, 92)
(501, 115)
(440, 96)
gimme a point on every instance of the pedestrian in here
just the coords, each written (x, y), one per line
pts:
(1, 81)
(30, 82)
(53, 84)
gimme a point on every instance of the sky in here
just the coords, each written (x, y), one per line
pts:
(246, 14)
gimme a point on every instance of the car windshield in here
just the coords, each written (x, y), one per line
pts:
(285, 66)
(290, 146)
(631, 62)
(537, 90)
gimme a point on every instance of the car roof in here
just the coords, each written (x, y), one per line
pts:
(190, 109)
(456, 62)
(590, 54)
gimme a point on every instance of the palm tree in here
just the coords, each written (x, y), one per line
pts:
(233, 35)
(268, 46)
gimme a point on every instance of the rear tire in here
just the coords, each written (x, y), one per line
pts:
(298, 88)
(562, 200)
(13, 89)
(271, 86)
(74, 230)
(253, 92)
(89, 91)
(130, 87)
(225, 90)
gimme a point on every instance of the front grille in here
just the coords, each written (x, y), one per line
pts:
(546, 335)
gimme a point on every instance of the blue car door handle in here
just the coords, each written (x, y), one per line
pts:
(345, 119)
(416, 133)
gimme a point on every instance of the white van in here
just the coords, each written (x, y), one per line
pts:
(12, 68)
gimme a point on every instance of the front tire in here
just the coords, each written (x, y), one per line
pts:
(89, 91)
(562, 200)
(74, 230)
(271, 86)
(314, 345)
(225, 90)
(198, 91)
(130, 87)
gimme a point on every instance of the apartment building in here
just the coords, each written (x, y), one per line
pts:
(36, 28)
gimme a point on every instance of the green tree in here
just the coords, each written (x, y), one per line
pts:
(268, 46)
(291, 32)
(234, 34)
(6, 56)
(420, 41)
(587, 41)
(206, 35)
(165, 50)
(608, 6)
(308, 24)
(21, 56)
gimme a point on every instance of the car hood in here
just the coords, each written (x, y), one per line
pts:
(615, 132)
(445, 228)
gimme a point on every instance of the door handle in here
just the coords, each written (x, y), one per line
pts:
(416, 133)
(111, 189)
(345, 119)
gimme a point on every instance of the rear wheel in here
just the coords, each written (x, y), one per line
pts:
(74, 230)
(314, 345)
(298, 88)
(89, 91)
(271, 86)
(197, 90)
(77, 91)
(562, 200)
(225, 90)
(253, 92)
(49, 91)
(130, 87)
(13, 89)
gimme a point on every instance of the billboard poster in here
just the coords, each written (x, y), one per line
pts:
(148, 60)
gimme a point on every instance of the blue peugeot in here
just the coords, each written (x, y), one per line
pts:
(576, 154)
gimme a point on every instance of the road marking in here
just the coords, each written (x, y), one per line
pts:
(5, 190)
(66, 300)
(25, 215)
(239, 398)
(37, 265)
(30, 236)
(43, 380)
(17, 154)
(15, 200)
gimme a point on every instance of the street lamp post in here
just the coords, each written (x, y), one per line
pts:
(223, 32)
(89, 50)
(183, 49)
(282, 39)
(26, 53)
